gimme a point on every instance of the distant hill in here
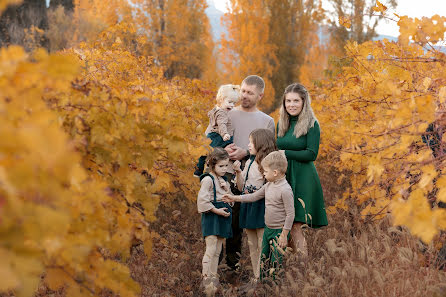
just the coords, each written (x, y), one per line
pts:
(388, 37)
(214, 16)
(392, 38)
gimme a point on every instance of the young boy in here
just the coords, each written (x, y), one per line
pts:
(220, 129)
(279, 211)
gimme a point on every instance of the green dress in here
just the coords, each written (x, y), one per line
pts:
(302, 175)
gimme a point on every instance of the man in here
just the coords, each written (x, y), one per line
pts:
(245, 118)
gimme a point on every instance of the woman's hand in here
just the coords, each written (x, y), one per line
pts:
(221, 212)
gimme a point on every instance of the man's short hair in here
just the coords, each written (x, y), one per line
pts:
(275, 161)
(256, 80)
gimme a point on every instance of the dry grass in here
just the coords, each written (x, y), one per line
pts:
(347, 258)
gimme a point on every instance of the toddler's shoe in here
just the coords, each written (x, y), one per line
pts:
(198, 172)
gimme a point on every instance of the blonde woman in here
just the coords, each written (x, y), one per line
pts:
(298, 135)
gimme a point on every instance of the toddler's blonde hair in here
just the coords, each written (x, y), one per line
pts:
(275, 161)
(228, 91)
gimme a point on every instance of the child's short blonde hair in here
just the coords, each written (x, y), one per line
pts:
(228, 91)
(275, 161)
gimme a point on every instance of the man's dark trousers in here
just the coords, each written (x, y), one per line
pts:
(234, 244)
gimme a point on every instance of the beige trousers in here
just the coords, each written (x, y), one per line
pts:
(255, 248)
(210, 258)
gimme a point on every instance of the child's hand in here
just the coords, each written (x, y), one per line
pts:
(226, 137)
(283, 241)
(237, 166)
(222, 212)
(224, 185)
(229, 198)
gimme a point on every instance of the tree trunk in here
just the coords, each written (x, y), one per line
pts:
(68, 5)
(16, 18)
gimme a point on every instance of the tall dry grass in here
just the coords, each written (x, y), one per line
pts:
(349, 257)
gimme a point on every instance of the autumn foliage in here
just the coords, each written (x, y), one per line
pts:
(179, 35)
(240, 53)
(88, 149)
(375, 111)
(357, 20)
(100, 138)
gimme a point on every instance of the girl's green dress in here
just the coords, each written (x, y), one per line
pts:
(302, 175)
(212, 223)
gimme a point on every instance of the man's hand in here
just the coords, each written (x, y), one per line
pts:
(237, 154)
(221, 212)
(230, 148)
(237, 166)
(226, 137)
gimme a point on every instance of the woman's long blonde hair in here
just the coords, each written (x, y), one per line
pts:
(306, 118)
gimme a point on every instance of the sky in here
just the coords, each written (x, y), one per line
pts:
(411, 8)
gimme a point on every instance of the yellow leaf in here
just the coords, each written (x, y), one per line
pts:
(441, 184)
(55, 278)
(442, 95)
(162, 182)
(344, 21)
(8, 278)
(380, 7)
(426, 83)
(366, 210)
(5, 3)
(374, 170)
(148, 247)
(74, 290)
(428, 174)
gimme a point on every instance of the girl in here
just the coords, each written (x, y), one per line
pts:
(298, 135)
(216, 216)
(252, 215)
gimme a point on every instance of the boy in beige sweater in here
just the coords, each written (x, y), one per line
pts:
(279, 211)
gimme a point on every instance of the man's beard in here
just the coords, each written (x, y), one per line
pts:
(246, 103)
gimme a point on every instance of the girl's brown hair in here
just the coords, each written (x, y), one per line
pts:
(264, 143)
(216, 155)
